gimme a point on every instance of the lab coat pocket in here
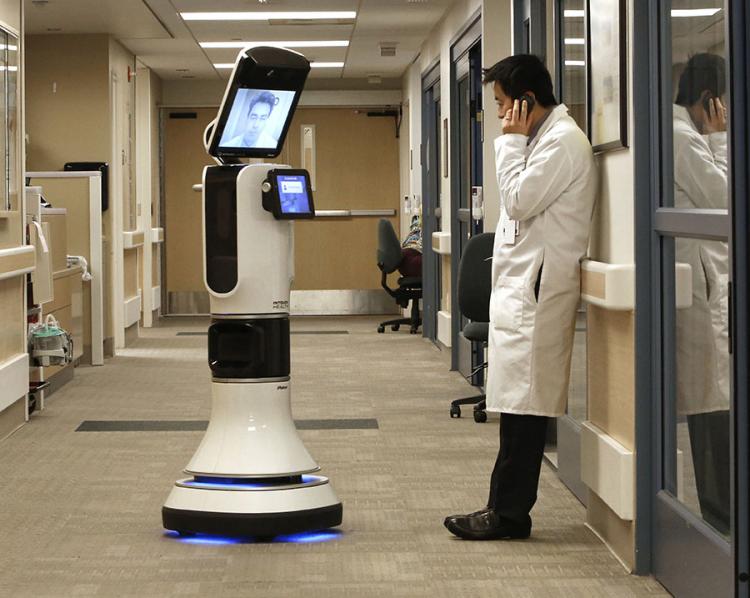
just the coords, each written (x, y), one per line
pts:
(507, 303)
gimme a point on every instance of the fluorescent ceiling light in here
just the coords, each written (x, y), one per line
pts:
(694, 12)
(268, 16)
(574, 14)
(297, 44)
(575, 63)
(575, 41)
(318, 65)
(9, 68)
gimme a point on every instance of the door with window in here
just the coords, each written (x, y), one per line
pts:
(467, 177)
(431, 211)
(696, 408)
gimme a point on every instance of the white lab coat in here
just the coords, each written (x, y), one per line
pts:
(548, 187)
(702, 330)
(264, 140)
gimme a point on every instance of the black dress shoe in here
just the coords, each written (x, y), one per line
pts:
(458, 516)
(488, 525)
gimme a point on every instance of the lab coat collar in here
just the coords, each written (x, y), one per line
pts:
(681, 113)
(558, 112)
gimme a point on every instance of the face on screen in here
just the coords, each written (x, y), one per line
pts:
(257, 118)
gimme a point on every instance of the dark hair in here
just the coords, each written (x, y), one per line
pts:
(264, 97)
(519, 74)
(703, 72)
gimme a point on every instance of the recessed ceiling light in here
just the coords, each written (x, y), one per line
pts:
(317, 65)
(297, 44)
(268, 16)
(694, 12)
(575, 41)
(575, 63)
(574, 14)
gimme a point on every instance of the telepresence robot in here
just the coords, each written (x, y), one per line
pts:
(251, 474)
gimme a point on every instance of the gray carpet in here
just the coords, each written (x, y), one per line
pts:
(80, 513)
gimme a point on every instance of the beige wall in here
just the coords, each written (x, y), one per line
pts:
(121, 62)
(10, 14)
(611, 338)
(156, 100)
(67, 100)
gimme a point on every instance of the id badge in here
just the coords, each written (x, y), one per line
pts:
(508, 229)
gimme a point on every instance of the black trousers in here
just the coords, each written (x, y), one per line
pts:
(515, 479)
(709, 442)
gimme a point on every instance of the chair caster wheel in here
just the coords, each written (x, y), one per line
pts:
(395, 327)
(412, 330)
(381, 329)
(480, 416)
(455, 411)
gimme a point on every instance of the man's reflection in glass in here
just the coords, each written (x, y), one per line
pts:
(700, 181)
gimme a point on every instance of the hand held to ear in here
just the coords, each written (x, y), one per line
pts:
(516, 121)
(716, 117)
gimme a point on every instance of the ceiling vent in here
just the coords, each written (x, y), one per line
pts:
(40, 2)
(388, 49)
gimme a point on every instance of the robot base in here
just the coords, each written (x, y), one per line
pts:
(244, 508)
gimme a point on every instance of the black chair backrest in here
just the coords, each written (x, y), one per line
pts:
(475, 278)
(389, 247)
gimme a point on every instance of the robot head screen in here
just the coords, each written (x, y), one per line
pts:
(258, 104)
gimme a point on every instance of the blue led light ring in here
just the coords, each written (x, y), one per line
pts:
(308, 481)
(311, 537)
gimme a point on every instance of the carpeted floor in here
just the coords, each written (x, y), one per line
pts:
(80, 511)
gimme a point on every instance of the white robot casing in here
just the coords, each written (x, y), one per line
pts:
(251, 474)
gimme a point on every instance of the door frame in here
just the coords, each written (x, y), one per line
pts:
(739, 52)
(431, 284)
(460, 46)
(651, 223)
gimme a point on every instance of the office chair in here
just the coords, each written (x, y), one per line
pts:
(409, 288)
(474, 288)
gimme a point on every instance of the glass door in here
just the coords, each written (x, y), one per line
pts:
(467, 169)
(693, 457)
(431, 213)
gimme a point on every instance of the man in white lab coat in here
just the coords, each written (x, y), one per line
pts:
(547, 180)
(702, 329)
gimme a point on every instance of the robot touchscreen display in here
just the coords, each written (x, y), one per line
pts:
(293, 197)
(287, 194)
